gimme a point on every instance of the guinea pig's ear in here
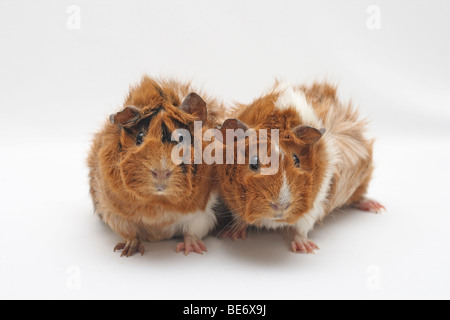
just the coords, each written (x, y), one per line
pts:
(230, 124)
(128, 116)
(307, 134)
(195, 105)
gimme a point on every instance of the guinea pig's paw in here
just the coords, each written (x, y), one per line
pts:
(130, 247)
(191, 244)
(370, 205)
(300, 245)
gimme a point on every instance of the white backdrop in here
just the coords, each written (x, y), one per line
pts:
(66, 65)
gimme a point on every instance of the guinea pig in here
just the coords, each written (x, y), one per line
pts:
(136, 187)
(323, 161)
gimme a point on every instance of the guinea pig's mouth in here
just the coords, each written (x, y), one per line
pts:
(280, 217)
(160, 190)
(266, 220)
(279, 220)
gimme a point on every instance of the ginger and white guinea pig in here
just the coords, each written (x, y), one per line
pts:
(324, 161)
(136, 188)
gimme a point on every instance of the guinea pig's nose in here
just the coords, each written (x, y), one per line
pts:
(161, 174)
(280, 206)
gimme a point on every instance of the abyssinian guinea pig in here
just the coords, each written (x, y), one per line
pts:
(324, 162)
(136, 188)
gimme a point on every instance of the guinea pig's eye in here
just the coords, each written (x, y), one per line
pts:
(296, 161)
(180, 137)
(254, 163)
(139, 138)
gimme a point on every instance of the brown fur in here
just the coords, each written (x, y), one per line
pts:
(355, 168)
(249, 195)
(122, 186)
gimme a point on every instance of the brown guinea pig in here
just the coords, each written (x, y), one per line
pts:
(322, 162)
(136, 188)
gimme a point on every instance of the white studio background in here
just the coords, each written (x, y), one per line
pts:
(66, 65)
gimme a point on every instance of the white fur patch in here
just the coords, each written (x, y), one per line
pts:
(291, 98)
(305, 224)
(284, 199)
(272, 224)
(285, 192)
(197, 224)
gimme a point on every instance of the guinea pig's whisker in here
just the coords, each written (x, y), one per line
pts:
(232, 227)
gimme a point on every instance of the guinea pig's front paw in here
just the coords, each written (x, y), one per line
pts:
(191, 244)
(370, 205)
(301, 245)
(130, 247)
